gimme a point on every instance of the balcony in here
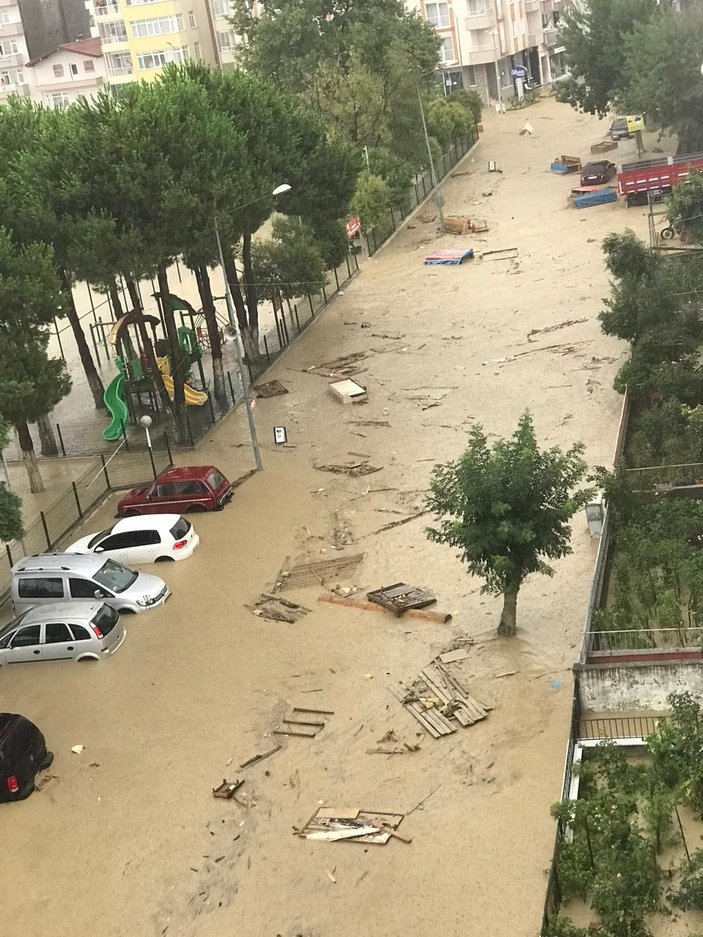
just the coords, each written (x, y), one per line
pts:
(550, 36)
(482, 54)
(20, 90)
(478, 21)
(531, 6)
(11, 29)
(118, 43)
(14, 59)
(107, 8)
(118, 71)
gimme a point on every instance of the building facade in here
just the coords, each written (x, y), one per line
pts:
(483, 41)
(139, 37)
(72, 71)
(51, 23)
(13, 52)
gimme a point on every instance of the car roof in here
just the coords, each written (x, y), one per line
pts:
(596, 162)
(55, 611)
(620, 120)
(185, 472)
(145, 522)
(71, 562)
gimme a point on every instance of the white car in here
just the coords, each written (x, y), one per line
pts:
(143, 539)
(62, 631)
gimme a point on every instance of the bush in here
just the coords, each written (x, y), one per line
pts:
(372, 200)
(689, 894)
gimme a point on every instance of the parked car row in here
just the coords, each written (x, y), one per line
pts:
(68, 606)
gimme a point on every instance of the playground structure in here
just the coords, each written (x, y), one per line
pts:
(124, 395)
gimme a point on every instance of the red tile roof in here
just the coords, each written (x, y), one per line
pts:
(91, 47)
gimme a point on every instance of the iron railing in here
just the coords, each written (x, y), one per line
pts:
(636, 639)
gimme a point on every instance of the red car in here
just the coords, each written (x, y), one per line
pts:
(177, 490)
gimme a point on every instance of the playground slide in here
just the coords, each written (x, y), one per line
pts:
(193, 397)
(116, 407)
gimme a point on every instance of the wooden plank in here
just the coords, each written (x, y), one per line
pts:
(437, 690)
(421, 614)
(304, 722)
(319, 712)
(305, 735)
(442, 724)
(450, 657)
(336, 813)
(419, 714)
(258, 758)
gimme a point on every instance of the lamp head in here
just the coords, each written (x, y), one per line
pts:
(280, 189)
(145, 421)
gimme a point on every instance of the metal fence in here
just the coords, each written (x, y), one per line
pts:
(595, 728)
(101, 478)
(652, 476)
(634, 639)
(380, 233)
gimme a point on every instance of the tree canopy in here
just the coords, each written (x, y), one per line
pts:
(506, 508)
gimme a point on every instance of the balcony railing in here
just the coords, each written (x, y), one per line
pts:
(108, 8)
(604, 643)
(550, 36)
(118, 70)
(112, 39)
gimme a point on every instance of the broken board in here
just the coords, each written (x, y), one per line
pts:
(270, 389)
(317, 572)
(448, 257)
(440, 703)
(400, 597)
(330, 823)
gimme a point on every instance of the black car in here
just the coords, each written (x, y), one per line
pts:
(598, 172)
(23, 754)
(619, 129)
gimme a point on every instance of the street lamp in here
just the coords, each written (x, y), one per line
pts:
(146, 421)
(279, 190)
(435, 183)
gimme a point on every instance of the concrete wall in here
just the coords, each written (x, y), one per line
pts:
(630, 686)
(50, 23)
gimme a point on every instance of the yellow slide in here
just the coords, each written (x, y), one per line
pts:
(193, 397)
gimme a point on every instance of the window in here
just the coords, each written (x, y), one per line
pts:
(59, 101)
(161, 26)
(190, 488)
(58, 71)
(191, 19)
(74, 68)
(221, 8)
(437, 14)
(165, 491)
(5, 642)
(4, 18)
(226, 41)
(85, 589)
(40, 588)
(476, 7)
(198, 53)
(180, 528)
(89, 65)
(57, 634)
(215, 479)
(156, 59)
(119, 63)
(113, 32)
(8, 46)
(446, 50)
(26, 636)
(106, 619)
(80, 633)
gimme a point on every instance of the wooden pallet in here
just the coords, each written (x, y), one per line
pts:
(317, 573)
(440, 703)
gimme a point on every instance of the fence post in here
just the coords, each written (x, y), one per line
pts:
(336, 279)
(124, 433)
(324, 294)
(268, 356)
(212, 409)
(190, 431)
(107, 478)
(312, 311)
(153, 464)
(229, 376)
(168, 448)
(295, 310)
(63, 448)
(46, 530)
(9, 554)
(75, 495)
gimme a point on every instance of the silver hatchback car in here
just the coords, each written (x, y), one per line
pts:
(62, 631)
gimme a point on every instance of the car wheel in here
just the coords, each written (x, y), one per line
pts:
(47, 762)
(131, 514)
(87, 657)
(165, 559)
(126, 611)
(196, 509)
(668, 233)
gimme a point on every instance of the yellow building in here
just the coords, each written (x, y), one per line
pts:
(139, 37)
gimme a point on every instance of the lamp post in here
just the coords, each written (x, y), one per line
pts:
(146, 421)
(231, 313)
(435, 183)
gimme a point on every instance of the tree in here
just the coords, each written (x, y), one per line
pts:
(661, 74)
(372, 200)
(594, 34)
(507, 508)
(11, 527)
(289, 264)
(31, 383)
(684, 207)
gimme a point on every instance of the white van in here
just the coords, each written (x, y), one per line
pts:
(56, 577)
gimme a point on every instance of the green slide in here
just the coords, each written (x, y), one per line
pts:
(116, 407)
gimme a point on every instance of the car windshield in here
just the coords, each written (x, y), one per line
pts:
(620, 123)
(180, 528)
(106, 619)
(98, 537)
(115, 576)
(215, 479)
(13, 624)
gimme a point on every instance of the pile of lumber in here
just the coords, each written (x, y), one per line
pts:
(440, 703)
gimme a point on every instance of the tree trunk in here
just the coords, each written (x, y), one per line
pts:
(213, 330)
(47, 437)
(178, 362)
(236, 290)
(508, 616)
(115, 299)
(250, 335)
(147, 345)
(36, 484)
(94, 382)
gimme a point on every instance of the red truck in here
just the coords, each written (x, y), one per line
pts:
(654, 178)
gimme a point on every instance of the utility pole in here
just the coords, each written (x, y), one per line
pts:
(240, 361)
(435, 183)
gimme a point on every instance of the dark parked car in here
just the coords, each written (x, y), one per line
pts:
(23, 754)
(177, 490)
(599, 172)
(619, 129)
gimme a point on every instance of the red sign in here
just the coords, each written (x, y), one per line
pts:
(353, 226)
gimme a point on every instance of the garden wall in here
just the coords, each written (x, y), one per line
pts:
(633, 685)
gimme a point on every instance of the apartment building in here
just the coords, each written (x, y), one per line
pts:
(487, 43)
(51, 23)
(139, 37)
(71, 71)
(13, 52)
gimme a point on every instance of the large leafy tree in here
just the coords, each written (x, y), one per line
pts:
(594, 34)
(31, 383)
(506, 508)
(11, 526)
(661, 73)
